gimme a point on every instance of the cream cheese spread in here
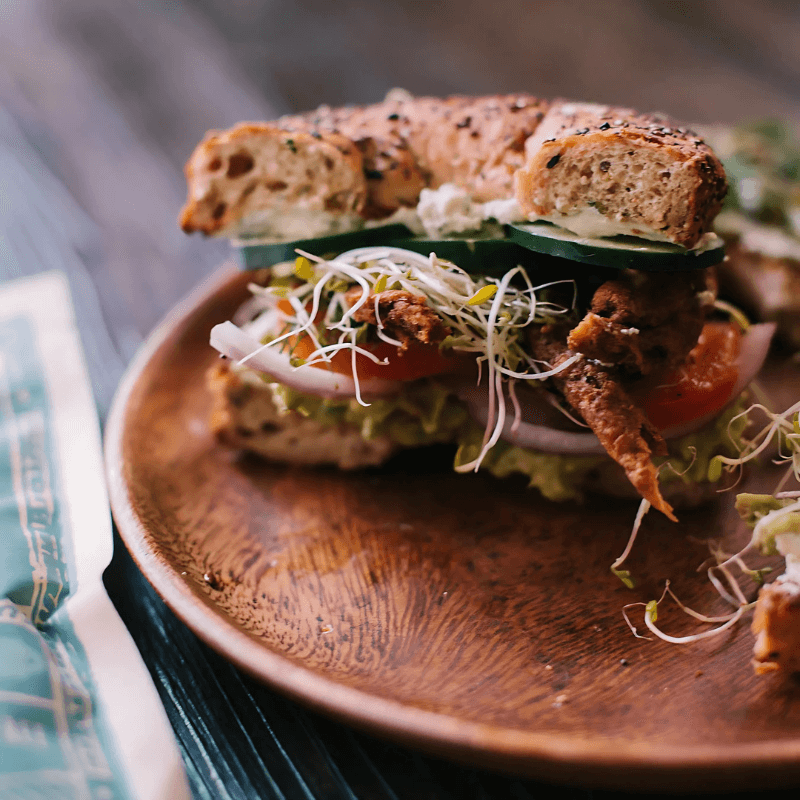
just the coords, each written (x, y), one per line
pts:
(589, 223)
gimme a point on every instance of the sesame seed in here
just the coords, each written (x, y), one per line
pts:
(553, 161)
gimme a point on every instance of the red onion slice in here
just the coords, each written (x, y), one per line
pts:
(238, 345)
(532, 433)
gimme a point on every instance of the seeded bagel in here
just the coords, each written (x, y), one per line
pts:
(244, 416)
(615, 169)
(593, 168)
(410, 143)
(239, 177)
(399, 147)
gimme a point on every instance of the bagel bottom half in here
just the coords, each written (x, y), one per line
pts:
(249, 414)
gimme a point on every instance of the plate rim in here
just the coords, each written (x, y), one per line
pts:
(612, 762)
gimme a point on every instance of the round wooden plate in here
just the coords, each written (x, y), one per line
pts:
(458, 614)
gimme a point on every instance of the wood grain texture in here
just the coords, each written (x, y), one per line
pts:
(458, 613)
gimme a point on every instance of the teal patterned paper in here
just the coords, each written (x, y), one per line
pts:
(71, 683)
(35, 573)
(53, 740)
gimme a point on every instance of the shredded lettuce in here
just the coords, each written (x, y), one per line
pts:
(425, 413)
(561, 477)
(690, 457)
(557, 477)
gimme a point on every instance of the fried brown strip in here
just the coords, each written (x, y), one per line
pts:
(777, 629)
(643, 323)
(598, 395)
(403, 315)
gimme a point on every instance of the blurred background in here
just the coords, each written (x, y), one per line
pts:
(114, 94)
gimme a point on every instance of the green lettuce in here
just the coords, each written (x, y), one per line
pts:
(690, 456)
(562, 477)
(557, 477)
(425, 413)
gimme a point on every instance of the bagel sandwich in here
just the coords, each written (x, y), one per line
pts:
(530, 281)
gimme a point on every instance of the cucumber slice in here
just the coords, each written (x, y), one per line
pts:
(259, 255)
(619, 252)
(492, 257)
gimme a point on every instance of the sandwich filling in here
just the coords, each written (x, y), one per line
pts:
(529, 364)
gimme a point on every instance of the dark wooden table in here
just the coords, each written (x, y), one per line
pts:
(101, 102)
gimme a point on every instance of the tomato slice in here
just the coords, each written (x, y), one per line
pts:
(702, 385)
(419, 360)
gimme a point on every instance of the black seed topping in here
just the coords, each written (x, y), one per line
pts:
(553, 161)
(605, 126)
(393, 117)
(373, 174)
(582, 131)
(291, 145)
(465, 123)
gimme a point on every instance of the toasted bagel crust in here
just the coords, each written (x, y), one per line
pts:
(640, 170)
(367, 161)
(244, 416)
(400, 146)
(255, 168)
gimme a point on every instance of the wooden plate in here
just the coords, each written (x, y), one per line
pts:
(458, 614)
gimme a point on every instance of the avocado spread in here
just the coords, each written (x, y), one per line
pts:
(428, 413)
